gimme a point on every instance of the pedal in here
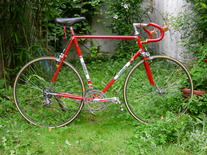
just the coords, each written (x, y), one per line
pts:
(117, 101)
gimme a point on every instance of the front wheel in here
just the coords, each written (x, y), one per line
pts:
(148, 102)
(35, 94)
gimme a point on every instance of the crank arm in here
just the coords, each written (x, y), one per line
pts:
(113, 99)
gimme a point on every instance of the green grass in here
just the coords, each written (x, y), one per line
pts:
(111, 132)
(88, 134)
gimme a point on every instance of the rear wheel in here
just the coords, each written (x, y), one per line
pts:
(35, 94)
(151, 103)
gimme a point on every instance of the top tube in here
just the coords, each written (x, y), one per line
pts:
(105, 37)
(71, 21)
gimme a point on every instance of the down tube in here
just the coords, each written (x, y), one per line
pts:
(117, 76)
(121, 71)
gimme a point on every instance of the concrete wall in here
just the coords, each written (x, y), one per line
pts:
(170, 45)
(106, 45)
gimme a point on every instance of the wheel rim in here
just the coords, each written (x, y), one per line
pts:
(163, 100)
(34, 93)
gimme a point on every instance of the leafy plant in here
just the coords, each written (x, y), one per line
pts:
(25, 24)
(191, 24)
(95, 52)
(122, 15)
(188, 133)
(199, 77)
(198, 105)
(102, 133)
(195, 142)
(199, 72)
(163, 133)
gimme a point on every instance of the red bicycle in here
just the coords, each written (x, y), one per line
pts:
(49, 91)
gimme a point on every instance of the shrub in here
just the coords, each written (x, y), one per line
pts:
(122, 14)
(187, 132)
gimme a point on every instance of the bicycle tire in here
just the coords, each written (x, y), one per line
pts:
(156, 103)
(31, 83)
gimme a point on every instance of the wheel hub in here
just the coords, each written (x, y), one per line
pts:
(47, 93)
(159, 90)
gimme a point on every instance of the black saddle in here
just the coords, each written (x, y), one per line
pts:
(69, 21)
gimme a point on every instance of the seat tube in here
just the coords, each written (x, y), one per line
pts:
(62, 58)
(83, 63)
(86, 72)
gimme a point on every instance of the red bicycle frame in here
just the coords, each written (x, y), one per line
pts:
(74, 40)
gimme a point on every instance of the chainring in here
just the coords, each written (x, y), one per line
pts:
(92, 105)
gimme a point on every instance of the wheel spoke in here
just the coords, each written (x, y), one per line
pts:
(34, 94)
(151, 104)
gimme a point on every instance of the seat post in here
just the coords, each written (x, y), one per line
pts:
(72, 31)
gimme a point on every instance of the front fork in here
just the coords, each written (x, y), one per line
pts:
(148, 71)
(145, 57)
